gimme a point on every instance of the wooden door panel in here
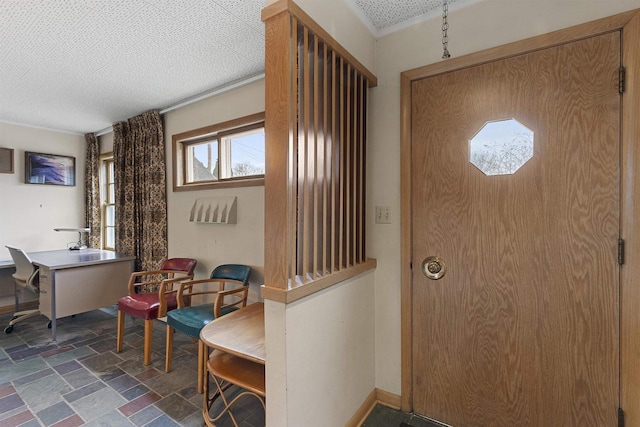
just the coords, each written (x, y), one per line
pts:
(523, 328)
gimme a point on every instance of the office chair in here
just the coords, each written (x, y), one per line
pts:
(191, 319)
(26, 277)
(151, 296)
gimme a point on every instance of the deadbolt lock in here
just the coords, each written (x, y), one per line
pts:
(433, 267)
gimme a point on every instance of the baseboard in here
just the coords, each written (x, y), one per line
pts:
(376, 396)
(364, 410)
(386, 398)
(28, 305)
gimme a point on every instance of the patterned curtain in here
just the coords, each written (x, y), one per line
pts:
(140, 189)
(92, 190)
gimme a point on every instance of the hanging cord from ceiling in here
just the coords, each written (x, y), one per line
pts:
(445, 28)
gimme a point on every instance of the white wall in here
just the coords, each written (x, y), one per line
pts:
(28, 212)
(482, 25)
(320, 355)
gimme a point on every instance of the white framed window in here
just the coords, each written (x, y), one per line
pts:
(107, 196)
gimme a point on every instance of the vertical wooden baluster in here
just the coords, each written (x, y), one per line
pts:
(341, 226)
(305, 167)
(334, 161)
(365, 100)
(301, 151)
(314, 154)
(348, 173)
(356, 167)
(325, 161)
(361, 161)
(293, 155)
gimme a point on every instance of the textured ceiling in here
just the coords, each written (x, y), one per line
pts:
(385, 15)
(80, 65)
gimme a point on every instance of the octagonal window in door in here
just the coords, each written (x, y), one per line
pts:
(501, 147)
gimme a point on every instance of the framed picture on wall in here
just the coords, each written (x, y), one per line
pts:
(6, 160)
(49, 169)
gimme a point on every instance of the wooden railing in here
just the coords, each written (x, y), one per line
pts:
(316, 112)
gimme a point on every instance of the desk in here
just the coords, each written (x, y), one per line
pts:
(73, 282)
(240, 333)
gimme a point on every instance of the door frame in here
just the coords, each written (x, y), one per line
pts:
(629, 23)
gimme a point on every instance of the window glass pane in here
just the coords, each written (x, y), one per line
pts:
(111, 237)
(222, 155)
(247, 153)
(107, 193)
(202, 162)
(501, 147)
(110, 217)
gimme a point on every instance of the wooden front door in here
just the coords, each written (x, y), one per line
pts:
(523, 328)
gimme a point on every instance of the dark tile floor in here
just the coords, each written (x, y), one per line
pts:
(381, 416)
(81, 380)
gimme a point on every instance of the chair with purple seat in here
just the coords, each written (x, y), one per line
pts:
(152, 294)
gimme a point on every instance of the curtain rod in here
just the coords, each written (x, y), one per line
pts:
(217, 91)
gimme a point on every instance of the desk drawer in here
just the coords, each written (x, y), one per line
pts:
(45, 291)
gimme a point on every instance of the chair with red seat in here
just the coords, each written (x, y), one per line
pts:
(152, 295)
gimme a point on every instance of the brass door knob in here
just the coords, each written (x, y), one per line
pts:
(434, 267)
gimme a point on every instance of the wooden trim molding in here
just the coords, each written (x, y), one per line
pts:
(220, 127)
(363, 411)
(406, 288)
(377, 396)
(27, 305)
(630, 226)
(628, 22)
(566, 35)
(287, 296)
(227, 183)
(388, 399)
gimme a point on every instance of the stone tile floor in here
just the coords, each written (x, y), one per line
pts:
(381, 416)
(81, 380)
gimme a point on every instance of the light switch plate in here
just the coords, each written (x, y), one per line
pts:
(383, 215)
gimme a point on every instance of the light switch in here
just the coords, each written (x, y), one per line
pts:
(383, 215)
